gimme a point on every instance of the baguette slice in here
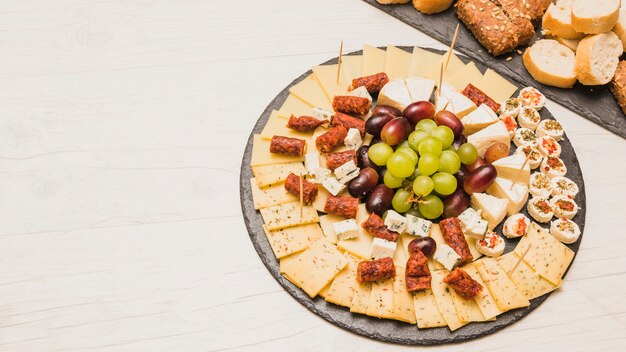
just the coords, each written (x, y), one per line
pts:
(431, 6)
(551, 63)
(597, 58)
(618, 85)
(558, 20)
(595, 16)
(620, 27)
(570, 43)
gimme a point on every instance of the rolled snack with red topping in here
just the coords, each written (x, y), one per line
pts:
(463, 284)
(373, 83)
(376, 227)
(349, 122)
(417, 274)
(375, 270)
(349, 104)
(343, 206)
(304, 123)
(287, 146)
(309, 190)
(331, 139)
(478, 97)
(334, 160)
(452, 234)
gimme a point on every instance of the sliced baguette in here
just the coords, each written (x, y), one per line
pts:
(597, 58)
(558, 20)
(595, 16)
(431, 6)
(551, 63)
(620, 27)
(570, 43)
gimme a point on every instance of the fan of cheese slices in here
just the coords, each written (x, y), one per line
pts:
(319, 252)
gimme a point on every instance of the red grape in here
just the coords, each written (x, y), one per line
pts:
(480, 179)
(420, 110)
(395, 131)
(378, 109)
(496, 151)
(364, 183)
(455, 204)
(363, 160)
(425, 244)
(376, 123)
(446, 118)
(379, 200)
(476, 164)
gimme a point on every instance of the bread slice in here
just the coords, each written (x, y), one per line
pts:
(597, 58)
(620, 27)
(618, 85)
(595, 16)
(431, 6)
(558, 20)
(551, 63)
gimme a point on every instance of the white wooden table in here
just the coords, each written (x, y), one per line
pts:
(122, 126)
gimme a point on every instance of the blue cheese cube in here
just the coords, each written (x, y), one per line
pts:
(333, 186)
(320, 174)
(322, 114)
(395, 222)
(382, 248)
(345, 169)
(478, 230)
(353, 140)
(349, 177)
(346, 229)
(311, 162)
(445, 255)
(417, 227)
(469, 218)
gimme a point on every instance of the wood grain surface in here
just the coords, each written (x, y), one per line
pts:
(122, 126)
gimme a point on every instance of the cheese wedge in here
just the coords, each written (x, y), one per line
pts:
(310, 91)
(419, 88)
(496, 87)
(423, 62)
(395, 94)
(516, 194)
(468, 74)
(484, 138)
(513, 168)
(397, 63)
(478, 119)
(493, 209)
(352, 67)
(457, 103)
(373, 60)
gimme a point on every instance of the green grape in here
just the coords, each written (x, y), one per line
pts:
(445, 183)
(426, 125)
(385, 214)
(444, 134)
(400, 165)
(414, 175)
(428, 164)
(468, 153)
(415, 212)
(408, 152)
(416, 137)
(449, 162)
(431, 207)
(391, 181)
(400, 201)
(430, 145)
(404, 144)
(379, 153)
(423, 185)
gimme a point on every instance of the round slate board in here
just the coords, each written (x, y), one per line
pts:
(382, 329)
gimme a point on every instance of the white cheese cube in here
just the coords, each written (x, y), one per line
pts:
(311, 162)
(333, 186)
(417, 227)
(320, 174)
(343, 170)
(361, 92)
(382, 248)
(445, 255)
(469, 218)
(353, 139)
(478, 230)
(346, 229)
(395, 222)
(349, 177)
(322, 114)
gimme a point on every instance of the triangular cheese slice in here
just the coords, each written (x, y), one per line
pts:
(484, 138)
(479, 119)
(516, 194)
(395, 94)
(513, 168)
(419, 88)
(493, 209)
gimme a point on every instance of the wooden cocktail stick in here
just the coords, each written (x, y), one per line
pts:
(519, 172)
(520, 259)
(339, 61)
(444, 67)
(301, 195)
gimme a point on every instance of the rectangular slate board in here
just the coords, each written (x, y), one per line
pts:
(596, 104)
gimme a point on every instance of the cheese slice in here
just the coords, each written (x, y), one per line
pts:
(471, 243)
(493, 208)
(516, 194)
(319, 203)
(374, 60)
(484, 300)
(468, 74)
(361, 297)
(547, 256)
(261, 154)
(323, 292)
(359, 246)
(288, 215)
(310, 91)
(419, 88)
(403, 309)
(352, 67)
(326, 75)
(423, 62)
(314, 268)
(454, 102)
(293, 239)
(444, 300)
(484, 138)
(395, 94)
(503, 290)
(267, 175)
(466, 310)
(296, 106)
(341, 290)
(277, 126)
(435, 234)
(270, 196)
(327, 221)
(514, 168)
(397, 63)
(454, 65)
(380, 304)
(426, 313)
(399, 258)
(496, 86)
(478, 119)
(530, 284)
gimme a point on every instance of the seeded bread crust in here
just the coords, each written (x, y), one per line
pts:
(618, 85)
(532, 10)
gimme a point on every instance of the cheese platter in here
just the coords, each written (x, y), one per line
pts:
(422, 255)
